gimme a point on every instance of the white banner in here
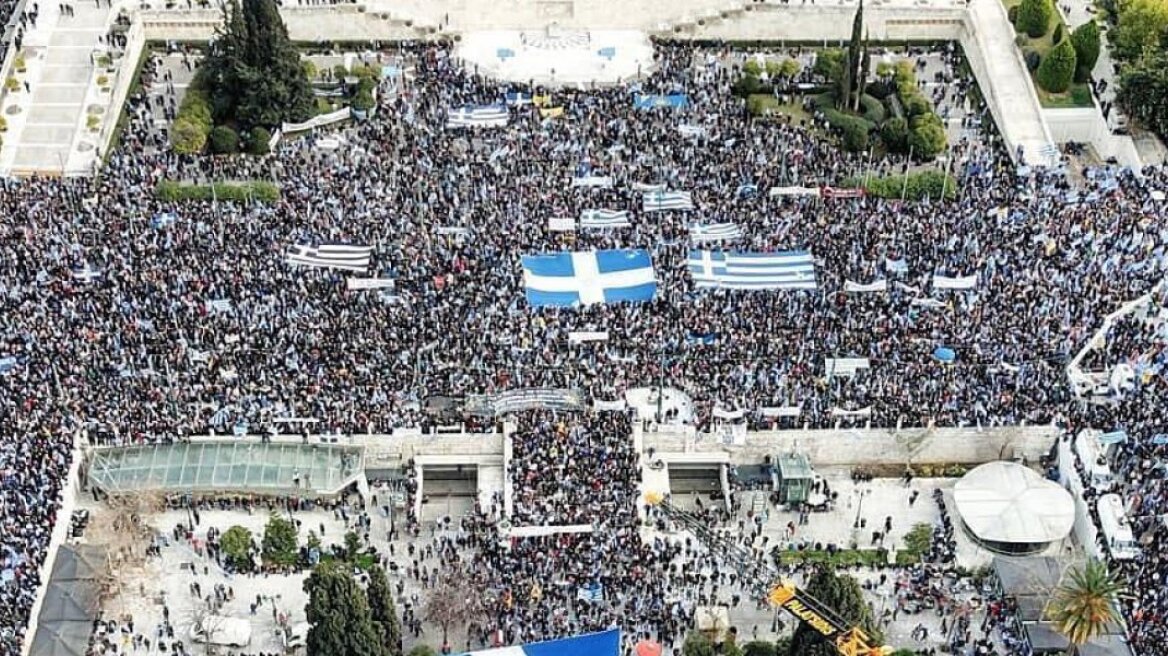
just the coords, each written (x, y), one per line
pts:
(874, 286)
(732, 434)
(541, 531)
(586, 336)
(452, 230)
(603, 181)
(369, 283)
(561, 224)
(844, 366)
(963, 282)
(318, 121)
(609, 405)
(781, 411)
(720, 413)
(840, 412)
(929, 302)
(794, 191)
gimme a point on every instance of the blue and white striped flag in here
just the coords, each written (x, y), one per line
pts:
(331, 256)
(585, 278)
(600, 219)
(85, 273)
(517, 98)
(591, 592)
(163, 219)
(219, 305)
(660, 201)
(724, 231)
(7, 364)
(746, 191)
(760, 271)
(478, 116)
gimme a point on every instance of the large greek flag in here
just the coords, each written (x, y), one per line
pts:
(734, 270)
(586, 278)
(715, 232)
(604, 219)
(605, 643)
(478, 116)
(331, 256)
(660, 201)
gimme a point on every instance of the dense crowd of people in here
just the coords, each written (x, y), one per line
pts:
(129, 328)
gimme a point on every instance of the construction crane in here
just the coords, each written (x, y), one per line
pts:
(764, 580)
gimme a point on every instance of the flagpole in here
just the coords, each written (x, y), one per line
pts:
(904, 187)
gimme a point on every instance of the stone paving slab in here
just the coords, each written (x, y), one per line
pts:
(56, 94)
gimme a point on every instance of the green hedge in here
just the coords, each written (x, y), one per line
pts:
(841, 558)
(920, 185)
(258, 190)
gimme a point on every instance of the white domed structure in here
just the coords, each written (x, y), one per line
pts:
(1011, 509)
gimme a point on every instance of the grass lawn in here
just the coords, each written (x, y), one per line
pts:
(764, 104)
(1079, 95)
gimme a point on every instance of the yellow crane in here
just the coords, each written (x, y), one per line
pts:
(848, 640)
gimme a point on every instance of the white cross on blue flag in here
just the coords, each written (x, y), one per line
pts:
(586, 278)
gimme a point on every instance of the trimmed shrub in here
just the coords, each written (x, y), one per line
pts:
(258, 141)
(1057, 69)
(1058, 33)
(187, 137)
(3, 124)
(894, 134)
(1085, 40)
(1081, 95)
(873, 109)
(224, 140)
(855, 137)
(919, 186)
(916, 105)
(752, 68)
(1033, 60)
(927, 139)
(1034, 17)
(1012, 15)
(747, 85)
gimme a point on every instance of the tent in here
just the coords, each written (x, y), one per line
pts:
(68, 601)
(1027, 577)
(62, 639)
(81, 561)
(1010, 508)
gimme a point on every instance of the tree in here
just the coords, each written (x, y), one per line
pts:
(258, 141)
(759, 648)
(1034, 17)
(850, 83)
(252, 73)
(1140, 27)
(281, 545)
(384, 612)
(122, 526)
(452, 602)
(1086, 604)
(783, 646)
(1057, 70)
(927, 138)
(187, 137)
(338, 615)
(236, 545)
(422, 650)
(843, 594)
(224, 140)
(789, 68)
(894, 134)
(1143, 92)
(697, 644)
(1085, 39)
(829, 64)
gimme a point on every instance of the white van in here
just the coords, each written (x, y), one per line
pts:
(1094, 459)
(1117, 533)
(222, 631)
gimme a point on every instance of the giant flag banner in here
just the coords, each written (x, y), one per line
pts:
(660, 201)
(478, 116)
(586, 278)
(955, 282)
(653, 101)
(605, 643)
(331, 256)
(736, 270)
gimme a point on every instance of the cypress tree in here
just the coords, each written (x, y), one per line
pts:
(384, 612)
(252, 73)
(843, 595)
(339, 615)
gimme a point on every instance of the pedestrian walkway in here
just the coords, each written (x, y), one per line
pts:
(52, 116)
(1007, 85)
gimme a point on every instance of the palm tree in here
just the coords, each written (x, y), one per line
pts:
(1087, 603)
